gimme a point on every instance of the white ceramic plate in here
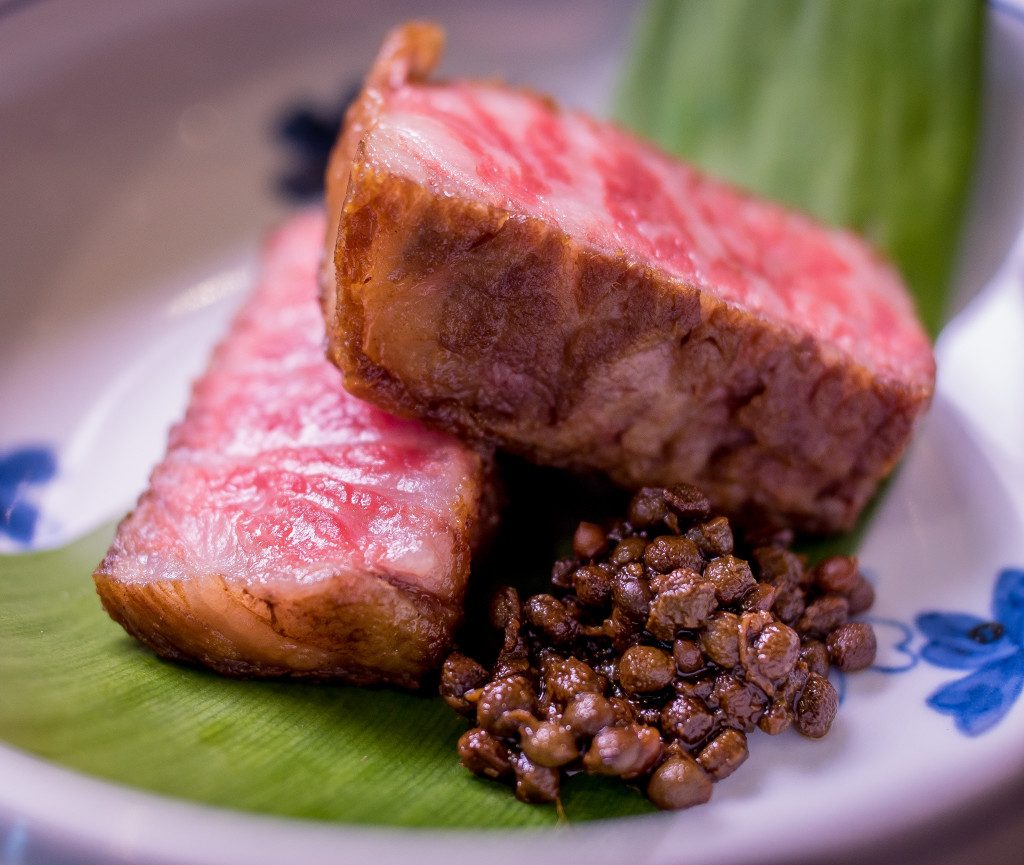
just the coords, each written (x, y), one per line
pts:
(138, 179)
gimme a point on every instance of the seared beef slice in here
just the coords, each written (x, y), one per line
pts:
(292, 529)
(537, 279)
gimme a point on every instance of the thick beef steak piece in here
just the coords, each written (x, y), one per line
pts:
(539, 280)
(292, 529)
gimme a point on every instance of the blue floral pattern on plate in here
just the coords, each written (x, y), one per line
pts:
(310, 135)
(895, 651)
(21, 469)
(993, 650)
(895, 645)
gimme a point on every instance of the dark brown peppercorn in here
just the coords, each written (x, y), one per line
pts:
(761, 598)
(741, 703)
(688, 657)
(564, 678)
(794, 685)
(774, 652)
(504, 608)
(731, 578)
(621, 630)
(619, 529)
(514, 657)
(751, 626)
(815, 656)
(459, 675)
(623, 751)
(687, 718)
(657, 643)
(688, 502)
(574, 609)
(651, 750)
(500, 697)
(824, 615)
(817, 706)
(549, 744)
(684, 602)
(648, 507)
(483, 754)
(777, 719)
(561, 573)
(631, 596)
(696, 688)
(861, 596)
(836, 574)
(512, 662)
(780, 714)
(852, 646)
(669, 552)
(646, 712)
(680, 576)
(715, 538)
(587, 713)
(549, 617)
(720, 639)
(623, 711)
(593, 585)
(645, 669)
(778, 566)
(588, 540)
(679, 783)
(626, 551)
(724, 754)
(789, 603)
(535, 783)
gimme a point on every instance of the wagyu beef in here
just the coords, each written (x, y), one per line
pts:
(546, 282)
(292, 529)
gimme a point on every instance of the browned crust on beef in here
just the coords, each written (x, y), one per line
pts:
(409, 53)
(385, 635)
(358, 627)
(498, 327)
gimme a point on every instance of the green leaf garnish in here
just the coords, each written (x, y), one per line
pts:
(75, 689)
(860, 112)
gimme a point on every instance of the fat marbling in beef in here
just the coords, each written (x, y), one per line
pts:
(536, 279)
(292, 529)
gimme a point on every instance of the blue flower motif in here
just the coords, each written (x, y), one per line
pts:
(895, 651)
(310, 135)
(19, 470)
(994, 650)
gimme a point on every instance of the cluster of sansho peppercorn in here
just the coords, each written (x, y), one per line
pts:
(657, 653)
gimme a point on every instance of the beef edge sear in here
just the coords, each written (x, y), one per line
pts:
(291, 529)
(686, 333)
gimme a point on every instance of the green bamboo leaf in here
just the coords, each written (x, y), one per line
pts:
(75, 689)
(861, 112)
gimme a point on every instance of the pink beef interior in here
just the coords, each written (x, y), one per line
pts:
(607, 189)
(277, 474)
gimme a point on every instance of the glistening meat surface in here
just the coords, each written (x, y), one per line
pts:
(292, 529)
(540, 280)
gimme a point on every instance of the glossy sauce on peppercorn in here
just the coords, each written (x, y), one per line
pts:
(655, 655)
